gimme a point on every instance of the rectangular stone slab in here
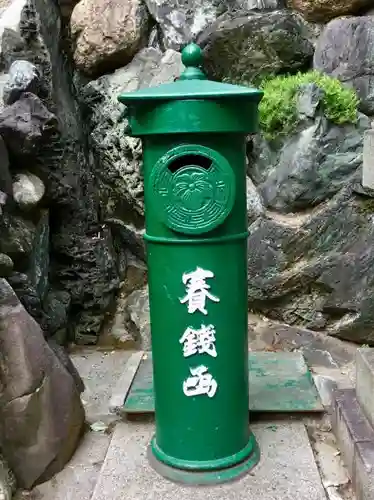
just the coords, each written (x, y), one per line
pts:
(278, 382)
(287, 470)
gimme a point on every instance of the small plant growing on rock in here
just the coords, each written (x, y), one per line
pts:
(278, 108)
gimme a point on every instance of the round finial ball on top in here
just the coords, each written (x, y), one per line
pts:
(192, 55)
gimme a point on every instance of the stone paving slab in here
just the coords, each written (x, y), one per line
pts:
(287, 470)
(278, 382)
(100, 371)
(363, 476)
(318, 348)
(123, 384)
(355, 437)
(349, 425)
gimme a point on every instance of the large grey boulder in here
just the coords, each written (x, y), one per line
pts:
(345, 51)
(41, 414)
(28, 190)
(313, 165)
(107, 33)
(314, 269)
(324, 10)
(26, 125)
(23, 77)
(182, 20)
(242, 46)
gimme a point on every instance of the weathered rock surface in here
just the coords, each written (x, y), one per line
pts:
(182, 20)
(67, 363)
(56, 306)
(310, 265)
(123, 332)
(11, 17)
(324, 10)
(41, 413)
(25, 125)
(128, 237)
(255, 204)
(8, 484)
(39, 261)
(242, 46)
(43, 132)
(27, 243)
(66, 8)
(28, 190)
(138, 308)
(23, 77)
(313, 165)
(108, 33)
(117, 156)
(345, 51)
(74, 236)
(6, 265)
(17, 236)
(3, 201)
(83, 260)
(28, 295)
(98, 279)
(5, 176)
(315, 270)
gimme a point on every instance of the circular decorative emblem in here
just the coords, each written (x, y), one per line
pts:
(195, 186)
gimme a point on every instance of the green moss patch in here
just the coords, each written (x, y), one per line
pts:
(278, 111)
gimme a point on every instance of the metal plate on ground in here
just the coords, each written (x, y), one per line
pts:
(278, 382)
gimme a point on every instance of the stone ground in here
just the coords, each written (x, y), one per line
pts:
(111, 458)
(285, 471)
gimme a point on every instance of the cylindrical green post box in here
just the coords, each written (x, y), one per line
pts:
(193, 133)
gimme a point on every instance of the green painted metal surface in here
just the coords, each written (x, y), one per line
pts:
(198, 304)
(192, 104)
(192, 84)
(197, 198)
(206, 477)
(279, 382)
(196, 230)
(190, 89)
(184, 117)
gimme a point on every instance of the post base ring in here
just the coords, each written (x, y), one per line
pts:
(203, 476)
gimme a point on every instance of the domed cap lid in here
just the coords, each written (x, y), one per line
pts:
(192, 84)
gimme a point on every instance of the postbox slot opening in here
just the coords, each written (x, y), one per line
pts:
(183, 161)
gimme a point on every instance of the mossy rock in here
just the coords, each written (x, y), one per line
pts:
(279, 114)
(245, 45)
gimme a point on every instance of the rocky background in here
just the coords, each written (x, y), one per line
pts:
(71, 195)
